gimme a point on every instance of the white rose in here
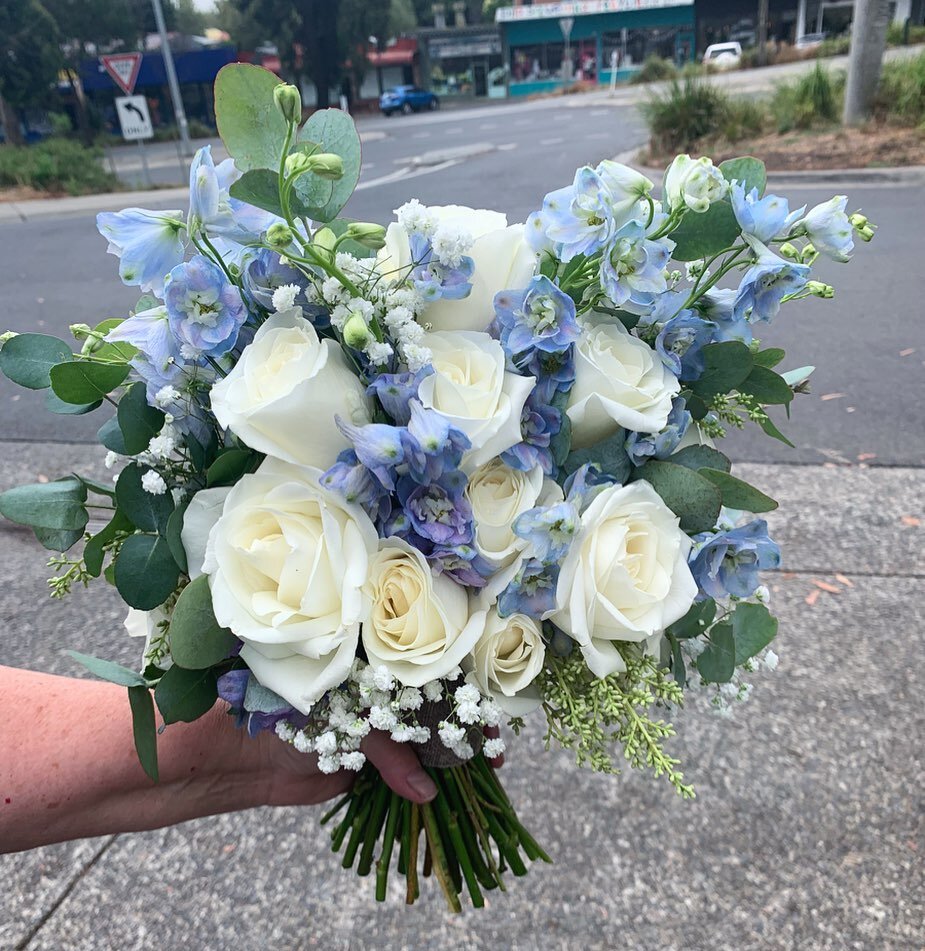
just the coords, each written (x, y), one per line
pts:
(502, 257)
(625, 577)
(282, 395)
(148, 624)
(420, 626)
(696, 183)
(286, 562)
(619, 381)
(471, 388)
(506, 661)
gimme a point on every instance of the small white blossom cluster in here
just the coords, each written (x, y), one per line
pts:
(416, 218)
(469, 708)
(284, 297)
(723, 697)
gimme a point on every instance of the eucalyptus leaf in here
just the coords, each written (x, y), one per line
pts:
(678, 667)
(703, 235)
(59, 540)
(717, 663)
(749, 171)
(183, 696)
(94, 549)
(694, 499)
(766, 386)
(726, 366)
(697, 457)
(144, 729)
(51, 505)
(110, 435)
(754, 628)
(768, 425)
(259, 187)
(333, 131)
(145, 572)
(610, 453)
(251, 127)
(27, 359)
(109, 671)
(695, 622)
(82, 381)
(197, 640)
(174, 532)
(139, 422)
(145, 511)
(770, 357)
(230, 466)
(738, 494)
(56, 405)
(260, 699)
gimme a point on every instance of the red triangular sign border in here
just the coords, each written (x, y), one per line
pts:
(125, 83)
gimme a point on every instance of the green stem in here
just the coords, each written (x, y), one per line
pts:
(438, 857)
(382, 866)
(374, 827)
(414, 835)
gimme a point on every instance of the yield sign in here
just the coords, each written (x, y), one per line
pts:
(123, 67)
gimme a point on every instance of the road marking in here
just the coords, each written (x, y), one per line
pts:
(453, 132)
(366, 166)
(421, 135)
(599, 112)
(488, 125)
(551, 141)
(405, 173)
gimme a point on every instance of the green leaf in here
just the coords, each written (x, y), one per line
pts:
(116, 349)
(173, 533)
(335, 132)
(185, 695)
(738, 494)
(93, 550)
(754, 627)
(145, 511)
(197, 640)
(695, 622)
(767, 424)
(717, 663)
(610, 453)
(770, 357)
(145, 302)
(749, 171)
(250, 125)
(100, 488)
(259, 187)
(678, 667)
(27, 359)
(339, 226)
(145, 571)
(766, 386)
(230, 466)
(144, 729)
(55, 505)
(57, 539)
(82, 381)
(703, 235)
(201, 455)
(107, 670)
(694, 499)
(697, 457)
(55, 405)
(726, 365)
(139, 422)
(110, 435)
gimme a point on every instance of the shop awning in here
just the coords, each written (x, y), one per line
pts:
(400, 53)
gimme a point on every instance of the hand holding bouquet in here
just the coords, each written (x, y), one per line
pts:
(431, 478)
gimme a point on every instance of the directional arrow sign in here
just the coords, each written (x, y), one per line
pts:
(123, 68)
(134, 118)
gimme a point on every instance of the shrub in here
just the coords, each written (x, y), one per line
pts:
(55, 165)
(836, 46)
(901, 93)
(742, 119)
(896, 34)
(813, 99)
(654, 69)
(686, 111)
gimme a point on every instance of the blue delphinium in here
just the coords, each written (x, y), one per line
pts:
(766, 283)
(680, 344)
(829, 228)
(549, 529)
(435, 280)
(149, 244)
(633, 267)
(532, 592)
(358, 485)
(378, 446)
(395, 391)
(539, 318)
(762, 218)
(641, 447)
(439, 511)
(204, 308)
(432, 446)
(540, 422)
(727, 563)
(718, 306)
(262, 272)
(579, 218)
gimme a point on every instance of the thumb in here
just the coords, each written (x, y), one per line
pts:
(399, 767)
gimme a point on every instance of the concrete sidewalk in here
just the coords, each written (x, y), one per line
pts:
(806, 833)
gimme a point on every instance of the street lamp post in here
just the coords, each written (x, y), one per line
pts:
(172, 79)
(375, 42)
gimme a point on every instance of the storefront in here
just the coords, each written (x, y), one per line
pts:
(463, 62)
(550, 44)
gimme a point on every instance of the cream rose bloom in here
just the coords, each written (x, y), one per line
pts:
(282, 395)
(506, 661)
(420, 625)
(502, 258)
(286, 560)
(619, 381)
(625, 577)
(471, 388)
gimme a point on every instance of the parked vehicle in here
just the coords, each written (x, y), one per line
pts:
(810, 41)
(723, 55)
(407, 99)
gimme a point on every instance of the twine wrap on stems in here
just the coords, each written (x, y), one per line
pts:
(433, 753)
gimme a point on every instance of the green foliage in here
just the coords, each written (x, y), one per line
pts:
(49, 507)
(30, 55)
(145, 511)
(700, 457)
(897, 35)
(197, 640)
(654, 69)
(901, 94)
(250, 125)
(727, 365)
(82, 381)
(144, 730)
(55, 166)
(750, 171)
(703, 235)
(718, 661)
(738, 494)
(109, 671)
(231, 465)
(695, 622)
(610, 453)
(741, 118)
(813, 99)
(185, 695)
(588, 715)
(335, 132)
(754, 627)
(691, 496)
(684, 113)
(27, 359)
(145, 572)
(118, 528)
(138, 422)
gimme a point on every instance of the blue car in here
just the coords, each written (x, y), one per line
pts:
(407, 99)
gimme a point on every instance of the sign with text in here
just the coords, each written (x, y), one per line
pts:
(134, 118)
(578, 8)
(123, 68)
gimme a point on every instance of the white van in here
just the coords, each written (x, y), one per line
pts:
(723, 55)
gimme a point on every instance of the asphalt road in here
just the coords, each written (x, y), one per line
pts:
(868, 343)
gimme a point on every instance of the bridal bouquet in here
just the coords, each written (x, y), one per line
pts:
(434, 477)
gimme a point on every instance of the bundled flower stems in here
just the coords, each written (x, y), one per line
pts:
(434, 476)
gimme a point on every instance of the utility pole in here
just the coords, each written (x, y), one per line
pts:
(868, 42)
(762, 32)
(172, 79)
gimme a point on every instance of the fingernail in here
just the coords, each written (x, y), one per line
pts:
(422, 784)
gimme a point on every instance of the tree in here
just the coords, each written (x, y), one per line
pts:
(402, 17)
(868, 42)
(29, 61)
(358, 21)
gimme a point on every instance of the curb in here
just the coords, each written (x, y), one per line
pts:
(900, 175)
(22, 211)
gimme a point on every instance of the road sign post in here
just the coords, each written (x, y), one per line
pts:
(565, 25)
(123, 69)
(135, 122)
